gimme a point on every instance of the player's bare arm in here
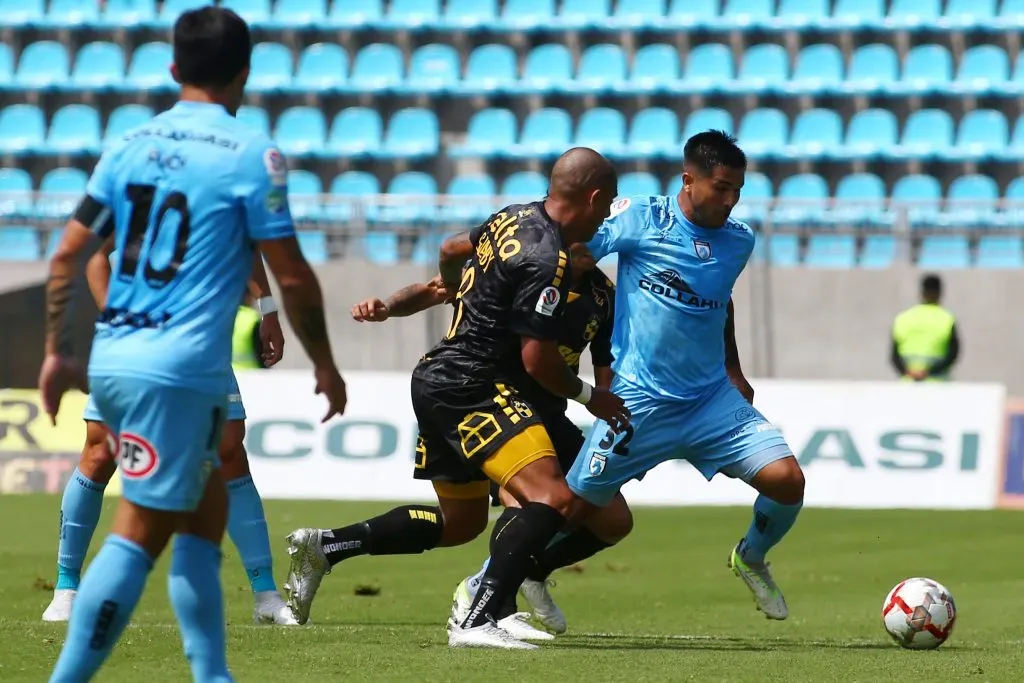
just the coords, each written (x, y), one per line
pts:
(97, 272)
(407, 301)
(603, 376)
(732, 357)
(271, 335)
(455, 251)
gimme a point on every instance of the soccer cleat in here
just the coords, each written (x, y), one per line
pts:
(518, 626)
(272, 609)
(544, 608)
(759, 580)
(59, 608)
(486, 635)
(307, 570)
(462, 602)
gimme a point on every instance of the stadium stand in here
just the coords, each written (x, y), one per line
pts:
(868, 123)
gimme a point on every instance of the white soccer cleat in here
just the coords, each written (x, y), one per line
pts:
(758, 577)
(485, 635)
(518, 626)
(307, 570)
(270, 608)
(462, 601)
(59, 608)
(544, 608)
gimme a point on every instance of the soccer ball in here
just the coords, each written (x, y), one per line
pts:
(919, 614)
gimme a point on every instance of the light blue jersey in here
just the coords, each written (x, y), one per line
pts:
(674, 283)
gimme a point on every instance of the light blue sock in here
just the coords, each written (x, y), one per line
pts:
(772, 521)
(106, 599)
(79, 514)
(198, 602)
(247, 527)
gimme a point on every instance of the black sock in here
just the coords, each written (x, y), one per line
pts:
(406, 530)
(577, 546)
(513, 544)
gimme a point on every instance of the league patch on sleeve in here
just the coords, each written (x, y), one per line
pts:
(548, 300)
(276, 166)
(277, 200)
(619, 206)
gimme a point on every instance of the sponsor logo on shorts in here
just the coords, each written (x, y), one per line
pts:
(597, 464)
(744, 414)
(548, 300)
(137, 459)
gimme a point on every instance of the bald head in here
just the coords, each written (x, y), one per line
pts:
(579, 172)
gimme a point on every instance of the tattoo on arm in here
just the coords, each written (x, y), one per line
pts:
(59, 293)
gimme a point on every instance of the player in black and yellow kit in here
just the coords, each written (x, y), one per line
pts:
(474, 424)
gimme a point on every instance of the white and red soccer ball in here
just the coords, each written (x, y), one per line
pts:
(919, 614)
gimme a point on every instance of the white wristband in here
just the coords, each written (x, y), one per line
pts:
(266, 305)
(585, 391)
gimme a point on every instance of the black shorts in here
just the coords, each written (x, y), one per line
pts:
(460, 427)
(567, 439)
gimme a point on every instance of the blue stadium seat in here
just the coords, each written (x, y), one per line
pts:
(19, 243)
(255, 12)
(872, 68)
(817, 133)
(653, 134)
(548, 68)
(674, 185)
(299, 14)
(172, 9)
(313, 244)
(525, 15)
(420, 210)
(690, 14)
(602, 129)
(255, 118)
(656, 68)
(968, 14)
(524, 186)
(831, 251)
(433, 68)
(411, 134)
(638, 183)
(971, 202)
(354, 14)
(922, 195)
(6, 66)
(747, 13)
(491, 134)
(763, 132)
(784, 250)
(879, 251)
(765, 69)
(98, 66)
(472, 199)
(800, 14)
(71, 14)
(860, 200)
(490, 68)
(323, 67)
(870, 133)
(125, 118)
(982, 134)
(711, 118)
(944, 251)
(1000, 251)
(271, 68)
(926, 133)
(469, 14)
(1011, 14)
(927, 69)
(356, 132)
(412, 14)
(637, 14)
(346, 191)
(801, 200)
(74, 130)
(304, 192)
(21, 13)
(1015, 150)
(22, 129)
(59, 192)
(381, 248)
(754, 200)
(546, 134)
(983, 69)
(602, 68)
(709, 68)
(1012, 214)
(581, 14)
(43, 65)
(127, 13)
(150, 68)
(15, 192)
(819, 69)
(377, 68)
(300, 131)
(913, 14)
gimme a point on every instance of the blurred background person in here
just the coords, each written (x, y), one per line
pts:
(925, 345)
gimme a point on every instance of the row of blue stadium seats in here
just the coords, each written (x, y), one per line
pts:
(546, 15)
(606, 68)
(860, 199)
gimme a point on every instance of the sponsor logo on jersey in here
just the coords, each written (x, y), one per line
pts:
(548, 300)
(670, 285)
(276, 200)
(618, 207)
(276, 167)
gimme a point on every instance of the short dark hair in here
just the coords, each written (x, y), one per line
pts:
(713, 148)
(212, 46)
(931, 284)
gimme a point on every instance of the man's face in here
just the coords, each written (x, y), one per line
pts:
(713, 194)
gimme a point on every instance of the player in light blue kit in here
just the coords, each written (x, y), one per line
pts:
(676, 363)
(187, 197)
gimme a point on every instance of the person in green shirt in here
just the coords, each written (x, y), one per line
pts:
(925, 344)
(246, 339)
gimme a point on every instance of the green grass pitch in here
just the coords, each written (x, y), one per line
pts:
(659, 607)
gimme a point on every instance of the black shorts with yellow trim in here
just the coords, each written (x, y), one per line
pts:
(470, 435)
(565, 436)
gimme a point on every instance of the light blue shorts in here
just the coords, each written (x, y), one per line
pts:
(167, 439)
(236, 410)
(720, 432)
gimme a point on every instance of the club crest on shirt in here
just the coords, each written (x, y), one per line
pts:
(703, 249)
(597, 464)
